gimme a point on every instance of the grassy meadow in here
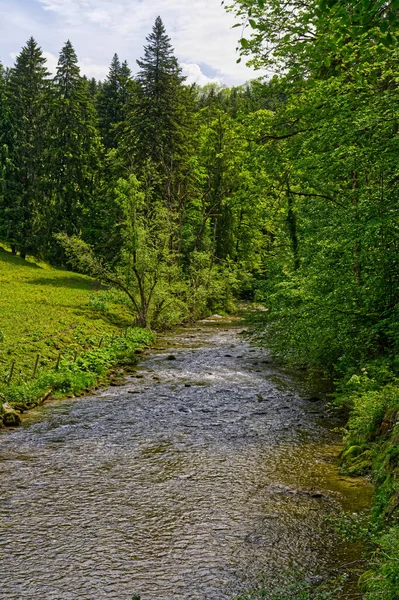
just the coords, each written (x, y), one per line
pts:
(62, 321)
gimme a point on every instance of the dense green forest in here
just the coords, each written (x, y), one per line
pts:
(143, 182)
(283, 192)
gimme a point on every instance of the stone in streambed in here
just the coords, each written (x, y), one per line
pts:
(361, 465)
(10, 417)
(117, 381)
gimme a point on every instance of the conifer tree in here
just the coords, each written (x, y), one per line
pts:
(112, 101)
(160, 112)
(93, 88)
(74, 158)
(157, 138)
(4, 148)
(28, 92)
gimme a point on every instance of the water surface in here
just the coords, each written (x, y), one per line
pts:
(201, 477)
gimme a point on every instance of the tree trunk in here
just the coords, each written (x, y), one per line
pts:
(293, 231)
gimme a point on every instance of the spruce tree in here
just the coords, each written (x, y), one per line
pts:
(159, 113)
(5, 131)
(157, 141)
(74, 157)
(112, 101)
(25, 205)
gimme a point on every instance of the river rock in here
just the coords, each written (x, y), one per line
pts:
(351, 453)
(171, 357)
(360, 465)
(10, 417)
(117, 381)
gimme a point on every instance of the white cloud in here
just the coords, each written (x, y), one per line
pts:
(92, 69)
(194, 75)
(52, 61)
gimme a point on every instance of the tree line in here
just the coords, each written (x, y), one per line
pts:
(283, 190)
(142, 181)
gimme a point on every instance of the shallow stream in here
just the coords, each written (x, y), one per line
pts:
(209, 472)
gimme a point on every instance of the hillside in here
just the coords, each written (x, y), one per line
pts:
(44, 311)
(62, 321)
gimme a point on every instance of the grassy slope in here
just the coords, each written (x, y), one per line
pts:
(44, 311)
(49, 315)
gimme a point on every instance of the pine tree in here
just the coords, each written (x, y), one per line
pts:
(74, 157)
(25, 207)
(159, 131)
(5, 131)
(112, 101)
(159, 114)
(93, 88)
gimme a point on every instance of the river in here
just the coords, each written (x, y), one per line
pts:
(206, 474)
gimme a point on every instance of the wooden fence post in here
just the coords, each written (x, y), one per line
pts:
(11, 371)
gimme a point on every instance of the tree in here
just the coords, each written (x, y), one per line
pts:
(112, 101)
(5, 140)
(144, 266)
(330, 149)
(157, 138)
(75, 147)
(25, 206)
(157, 122)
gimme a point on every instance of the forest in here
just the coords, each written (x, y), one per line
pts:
(282, 193)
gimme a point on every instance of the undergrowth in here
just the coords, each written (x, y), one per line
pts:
(301, 590)
(75, 374)
(367, 392)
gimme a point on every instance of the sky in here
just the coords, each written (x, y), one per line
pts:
(200, 30)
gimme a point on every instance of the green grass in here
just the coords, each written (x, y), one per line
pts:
(44, 310)
(55, 314)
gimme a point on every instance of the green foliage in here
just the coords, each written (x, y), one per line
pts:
(382, 580)
(301, 590)
(73, 159)
(369, 408)
(113, 100)
(45, 311)
(23, 215)
(76, 375)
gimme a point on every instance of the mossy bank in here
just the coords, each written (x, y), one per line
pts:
(372, 450)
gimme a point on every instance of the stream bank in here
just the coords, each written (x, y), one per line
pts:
(207, 474)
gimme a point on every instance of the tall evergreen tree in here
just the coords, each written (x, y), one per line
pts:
(158, 133)
(160, 111)
(5, 131)
(74, 157)
(24, 209)
(112, 100)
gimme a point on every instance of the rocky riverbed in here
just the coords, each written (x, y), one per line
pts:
(210, 472)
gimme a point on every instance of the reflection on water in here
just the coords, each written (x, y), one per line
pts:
(191, 482)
